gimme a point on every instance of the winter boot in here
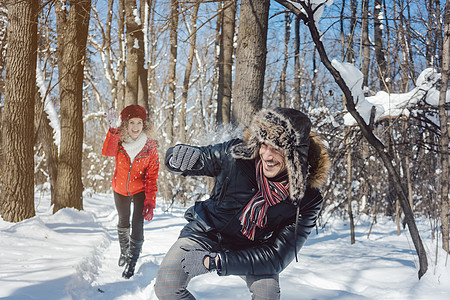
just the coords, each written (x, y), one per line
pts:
(135, 250)
(124, 241)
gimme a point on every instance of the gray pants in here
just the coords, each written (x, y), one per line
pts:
(171, 280)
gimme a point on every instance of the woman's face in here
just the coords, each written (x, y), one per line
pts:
(135, 126)
(272, 159)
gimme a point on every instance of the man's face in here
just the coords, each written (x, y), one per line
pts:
(272, 160)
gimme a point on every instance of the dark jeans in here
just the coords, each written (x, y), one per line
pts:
(123, 206)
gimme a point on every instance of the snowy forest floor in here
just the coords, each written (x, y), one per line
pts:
(73, 255)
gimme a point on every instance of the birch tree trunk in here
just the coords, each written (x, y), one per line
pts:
(17, 189)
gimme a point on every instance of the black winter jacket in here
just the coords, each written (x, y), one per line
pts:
(214, 223)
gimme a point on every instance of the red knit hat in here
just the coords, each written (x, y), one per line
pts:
(133, 111)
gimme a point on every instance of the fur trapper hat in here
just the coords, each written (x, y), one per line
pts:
(288, 130)
(133, 111)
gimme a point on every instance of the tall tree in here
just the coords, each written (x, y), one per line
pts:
(142, 46)
(135, 84)
(443, 118)
(188, 71)
(287, 34)
(250, 60)
(172, 70)
(121, 65)
(17, 194)
(72, 28)
(365, 64)
(228, 21)
(378, 45)
(297, 65)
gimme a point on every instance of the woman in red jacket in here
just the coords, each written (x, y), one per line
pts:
(134, 180)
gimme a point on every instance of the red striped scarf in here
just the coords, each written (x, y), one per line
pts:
(269, 193)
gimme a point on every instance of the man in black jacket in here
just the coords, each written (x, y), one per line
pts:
(262, 208)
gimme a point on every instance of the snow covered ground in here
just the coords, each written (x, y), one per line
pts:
(73, 255)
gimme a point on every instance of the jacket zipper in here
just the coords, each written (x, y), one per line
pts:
(131, 165)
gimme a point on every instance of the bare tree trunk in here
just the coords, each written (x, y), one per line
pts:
(122, 57)
(142, 99)
(108, 54)
(443, 145)
(353, 21)
(297, 66)
(365, 65)
(401, 34)
(349, 186)
(287, 34)
(152, 53)
(378, 44)
(72, 30)
(430, 45)
(17, 195)
(307, 16)
(226, 62)
(172, 71)
(314, 79)
(45, 136)
(134, 34)
(250, 60)
(341, 24)
(187, 72)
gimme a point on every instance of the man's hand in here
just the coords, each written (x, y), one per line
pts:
(113, 118)
(194, 261)
(148, 212)
(184, 157)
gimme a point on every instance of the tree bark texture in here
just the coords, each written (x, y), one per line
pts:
(122, 61)
(443, 118)
(72, 28)
(17, 194)
(378, 45)
(172, 71)
(44, 135)
(365, 65)
(250, 60)
(132, 39)
(187, 73)
(297, 65)
(287, 34)
(142, 99)
(226, 62)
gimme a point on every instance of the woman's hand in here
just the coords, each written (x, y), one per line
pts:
(148, 212)
(113, 118)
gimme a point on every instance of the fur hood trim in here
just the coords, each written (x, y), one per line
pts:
(288, 129)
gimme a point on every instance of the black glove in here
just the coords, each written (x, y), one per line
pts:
(184, 157)
(192, 261)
